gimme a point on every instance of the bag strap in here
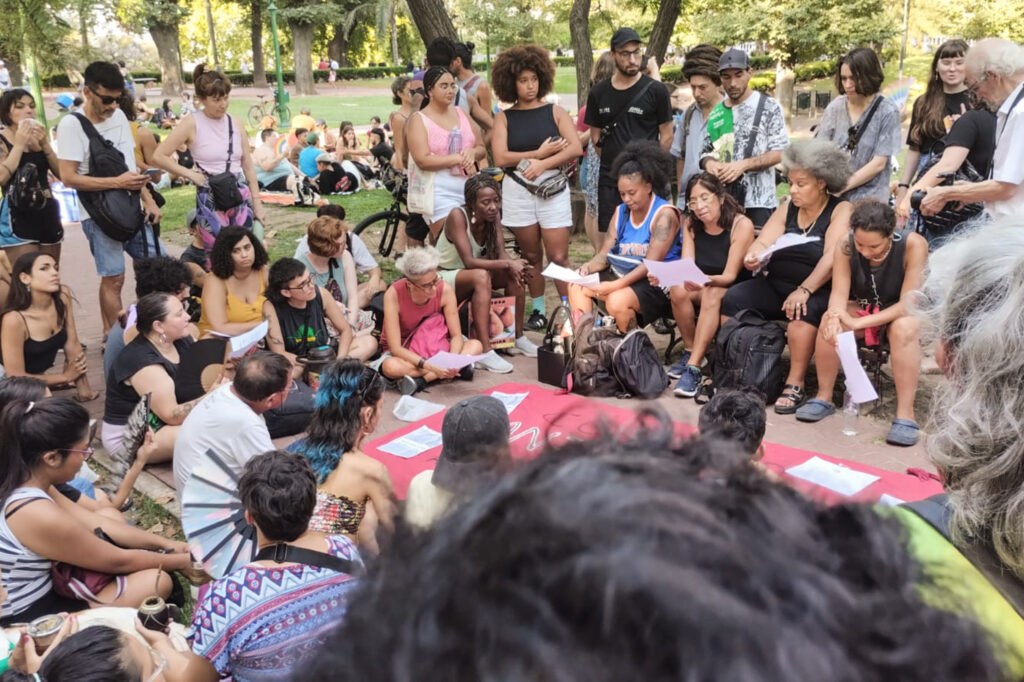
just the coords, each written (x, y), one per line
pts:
(937, 511)
(231, 144)
(755, 128)
(283, 553)
(88, 128)
(687, 118)
(861, 127)
(530, 187)
(636, 98)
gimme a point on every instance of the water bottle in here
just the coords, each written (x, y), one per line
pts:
(851, 415)
(455, 147)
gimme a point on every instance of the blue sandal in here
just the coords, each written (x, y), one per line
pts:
(903, 432)
(814, 410)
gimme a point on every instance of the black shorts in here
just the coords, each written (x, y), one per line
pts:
(608, 199)
(654, 302)
(416, 227)
(278, 185)
(758, 216)
(766, 295)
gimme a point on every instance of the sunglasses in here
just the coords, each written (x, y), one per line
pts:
(106, 100)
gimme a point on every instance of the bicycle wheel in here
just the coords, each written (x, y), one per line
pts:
(379, 230)
(255, 115)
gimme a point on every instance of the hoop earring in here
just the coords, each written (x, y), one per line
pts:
(163, 338)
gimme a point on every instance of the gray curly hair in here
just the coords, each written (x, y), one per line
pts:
(822, 159)
(418, 261)
(972, 303)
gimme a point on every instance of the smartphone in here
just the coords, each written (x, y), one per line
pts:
(153, 172)
(523, 165)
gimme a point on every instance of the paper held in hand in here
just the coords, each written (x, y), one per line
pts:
(446, 360)
(786, 241)
(239, 346)
(553, 271)
(857, 382)
(676, 272)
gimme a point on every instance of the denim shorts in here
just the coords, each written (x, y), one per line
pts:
(109, 253)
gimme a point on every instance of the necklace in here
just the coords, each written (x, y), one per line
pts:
(806, 230)
(885, 255)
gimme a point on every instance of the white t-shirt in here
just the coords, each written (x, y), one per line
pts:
(221, 422)
(73, 144)
(1008, 160)
(425, 503)
(360, 254)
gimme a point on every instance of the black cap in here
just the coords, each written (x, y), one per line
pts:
(624, 36)
(734, 58)
(474, 437)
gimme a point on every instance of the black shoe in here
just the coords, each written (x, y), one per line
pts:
(466, 373)
(661, 326)
(537, 321)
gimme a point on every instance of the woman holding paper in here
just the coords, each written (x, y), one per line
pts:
(233, 293)
(421, 318)
(716, 236)
(147, 365)
(645, 225)
(873, 274)
(794, 284)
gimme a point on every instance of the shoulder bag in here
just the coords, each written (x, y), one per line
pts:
(224, 186)
(738, 188)
(607, 129)
(117, 212)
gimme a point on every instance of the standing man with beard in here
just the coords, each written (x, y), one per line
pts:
(700, 69)
(629, 106)
(745, 136)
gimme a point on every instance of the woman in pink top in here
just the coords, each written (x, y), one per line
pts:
(218, 143)
(443, 139)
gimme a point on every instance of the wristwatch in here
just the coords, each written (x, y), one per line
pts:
(421, 363)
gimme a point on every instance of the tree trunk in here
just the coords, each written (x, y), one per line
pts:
(15, 68)
(661, 34)
(165, 37)
(259, 67)
(337, 49)
(432, 19)
(579, 36)
(785, 81)
(83, 27)
(213, 35)
(302, 44)
(393, 31)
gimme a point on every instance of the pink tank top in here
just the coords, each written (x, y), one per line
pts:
(409, 313)
(210, 148)
(437, 137)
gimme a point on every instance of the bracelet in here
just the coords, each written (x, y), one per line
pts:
(904, 185)
(421, 363)
(805, 289)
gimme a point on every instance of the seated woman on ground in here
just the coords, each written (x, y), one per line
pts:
(716, 235)
(354, 490)
(331, 265)
(366, 265)
(38, 322)
(794, 284)
(874, 273)
(233, 295)
(645, 225)
(290, 606)
(298, 313)
(421, 318)
(147, 365)
(474, 263)
(45, 443)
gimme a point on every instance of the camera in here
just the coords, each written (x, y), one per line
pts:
(917, 196)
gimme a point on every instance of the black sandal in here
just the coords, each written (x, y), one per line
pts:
(792, 393)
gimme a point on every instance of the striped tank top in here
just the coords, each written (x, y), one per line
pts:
(26, 575)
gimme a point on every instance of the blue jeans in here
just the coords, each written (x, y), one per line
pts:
(109, 253)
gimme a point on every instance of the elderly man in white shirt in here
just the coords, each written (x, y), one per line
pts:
(995, 74)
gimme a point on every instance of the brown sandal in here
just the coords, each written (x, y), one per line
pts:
(794, 394)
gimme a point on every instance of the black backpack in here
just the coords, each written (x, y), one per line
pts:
(589, 370)
(748, 352)
(637, 366)
(117, 212)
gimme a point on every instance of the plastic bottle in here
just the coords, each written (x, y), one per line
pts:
(851, 415)
(455, 147)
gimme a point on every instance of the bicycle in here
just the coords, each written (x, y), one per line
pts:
(381, 237)
(257, 112)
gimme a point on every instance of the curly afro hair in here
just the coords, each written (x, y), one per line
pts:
(647, 159)
(221, 264)
(512, 62)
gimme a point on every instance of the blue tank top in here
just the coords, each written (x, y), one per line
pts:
(631, 240)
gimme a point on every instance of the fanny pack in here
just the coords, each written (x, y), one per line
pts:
(545, 190)
(224, 186)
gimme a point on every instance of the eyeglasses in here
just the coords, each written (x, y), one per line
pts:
(106, 100)
(304, 284)
(86, 453)
(972, 89)
(629, 54)
(428, 286)
(703, 200)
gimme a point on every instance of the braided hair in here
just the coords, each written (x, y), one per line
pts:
(492, 244)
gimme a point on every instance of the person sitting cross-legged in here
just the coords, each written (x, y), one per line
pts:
(874, 273)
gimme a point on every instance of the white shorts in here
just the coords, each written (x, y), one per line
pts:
(519, 208)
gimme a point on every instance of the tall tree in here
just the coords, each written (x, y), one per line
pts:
(432, 19)
(161, 19)
(213, 35)
(664, 25)
(259, 67)
(303, 19)
(579, 35)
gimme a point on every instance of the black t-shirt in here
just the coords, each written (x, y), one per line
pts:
(641, 122)
(194, 254)
(122, 398)
(975, 130)
(303, 328)
(956, 104)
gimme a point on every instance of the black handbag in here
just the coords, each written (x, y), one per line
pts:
(554, 353)
(224, 186)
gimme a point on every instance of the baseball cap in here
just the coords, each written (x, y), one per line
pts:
(324, 158)
(312, 138)
(624, 36)
(734, 58)
(474, 439)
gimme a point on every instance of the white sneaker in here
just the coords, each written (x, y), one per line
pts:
(492, 363)
(526, 347)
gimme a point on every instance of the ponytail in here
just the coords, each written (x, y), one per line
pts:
(29, 429)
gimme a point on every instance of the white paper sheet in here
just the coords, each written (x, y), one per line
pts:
(553, 271)
(857, 382)
(677, 272)
(410, 409)
(842, 480)
(786, 241)
(889, 501)
(413, 443)
(243, 343)
(446, 360)
(510, 400)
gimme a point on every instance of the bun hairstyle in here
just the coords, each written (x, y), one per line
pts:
(210, 82)
(430, 78)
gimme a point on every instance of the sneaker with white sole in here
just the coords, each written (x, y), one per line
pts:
(688, 383)
(526, 347)
(493, 363)
(676, 370)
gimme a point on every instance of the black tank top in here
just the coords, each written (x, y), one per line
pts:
(794, 264)
(40, 355)
(41, 225)
(879, 285)
(528, 128)
(303, 328)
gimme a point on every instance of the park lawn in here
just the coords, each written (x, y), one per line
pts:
(333, 108)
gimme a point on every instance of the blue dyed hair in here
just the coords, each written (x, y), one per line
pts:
(345, 388)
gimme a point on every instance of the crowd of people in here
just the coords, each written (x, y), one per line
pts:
(492, 568)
